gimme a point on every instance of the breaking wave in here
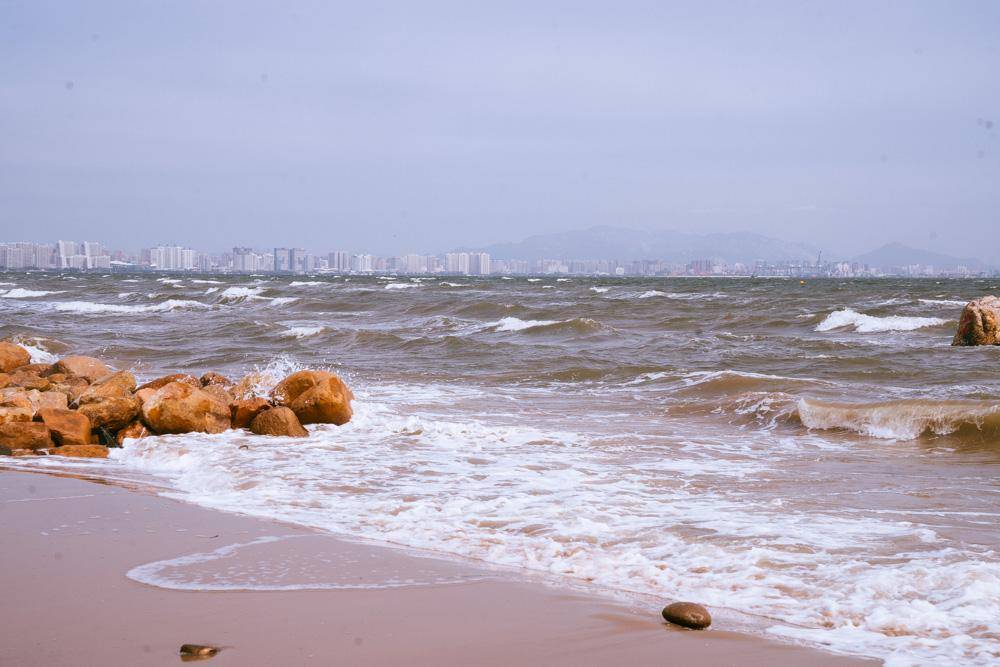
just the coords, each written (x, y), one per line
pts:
(19, 293)
(905, 419)
(89, 307)
(862, 323)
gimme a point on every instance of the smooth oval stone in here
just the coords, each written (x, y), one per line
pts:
(197, 651)
(688, 615)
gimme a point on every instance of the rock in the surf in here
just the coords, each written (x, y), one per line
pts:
(72, 387)
(212, 377)
(12, 356)
(25, 435)
(278, 421)
(178, 407)
(82, 451)
(66, 427)
(197, 651)
(219, 392)
(979, 323)
(316, 397)
(688, 615)
(89, 368)
(115, 385)
(242, 412)
(112, 413)
(135, 430)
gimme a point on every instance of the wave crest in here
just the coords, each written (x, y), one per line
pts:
(906, 419)
(862, 323)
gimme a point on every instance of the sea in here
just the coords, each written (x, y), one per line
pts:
(813, 459)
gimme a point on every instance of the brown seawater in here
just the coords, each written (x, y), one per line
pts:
(816, 456)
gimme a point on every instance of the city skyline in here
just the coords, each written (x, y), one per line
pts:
(93, 256)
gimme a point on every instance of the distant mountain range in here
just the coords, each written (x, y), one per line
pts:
(624, 244)
(630, 244)
(897, 254)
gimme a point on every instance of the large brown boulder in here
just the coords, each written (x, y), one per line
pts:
(115, 385)
(85, 367)
(37, 369)
(134, 430)
(219, 392)
(181, 408)
(278, 421)
(316, 397)
(24, 435)
(167, 379)
(979, 323)
(82, 451)
(242, 412)
(15, 406)
(112, 413)
(12, 356)
(329, 402)
(247, 387)
(4, 380)
(28, 380)
(47, 399)
(66, 427)
(72, 387)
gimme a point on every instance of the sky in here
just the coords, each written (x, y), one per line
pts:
(424, 126)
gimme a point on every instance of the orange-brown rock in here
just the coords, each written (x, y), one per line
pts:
(38, 369)
(47, 399)
(167, 379)
(55, 378)
(242, 412)
(144, 394)
(28, 380)
(112, 413)
(25, 435)
(12, 356)
(4, 380)
(289, 389)
(88, 368)
(115, 385)
(14, 397)
(278, 421)
(15, 414)
(82, 451)
(212, 377)
(979, 323)
(687, 614)
(247, 387)
(329, 402)
(219, 392)
(134, 430)
(72, 387)
(178, 407)
(66, 427)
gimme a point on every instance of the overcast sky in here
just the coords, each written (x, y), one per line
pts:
(420, 126)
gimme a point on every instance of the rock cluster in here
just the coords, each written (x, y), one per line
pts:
(79, 406)
(979, 323)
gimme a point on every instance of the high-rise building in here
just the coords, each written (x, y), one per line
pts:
(172, 258)
(456, 262)
(479, 264)
(339, 260)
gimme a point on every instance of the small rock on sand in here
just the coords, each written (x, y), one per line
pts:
(688, 615)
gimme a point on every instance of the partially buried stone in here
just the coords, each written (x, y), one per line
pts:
(278, 421)
(197, 651)
(82, 451)
(688, 615)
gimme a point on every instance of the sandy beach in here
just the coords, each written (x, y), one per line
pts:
(70, 543)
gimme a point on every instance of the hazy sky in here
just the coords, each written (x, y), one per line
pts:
(421, 126)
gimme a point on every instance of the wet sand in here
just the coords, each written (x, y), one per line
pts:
(68, 544)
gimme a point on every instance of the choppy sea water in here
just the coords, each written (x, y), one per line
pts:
(816, 456)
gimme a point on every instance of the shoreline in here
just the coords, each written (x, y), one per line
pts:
(70, 601)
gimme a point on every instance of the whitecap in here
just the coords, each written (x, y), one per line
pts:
(517, 324)
(871, 324)
(302, 332)
(89, 307)
(401, 285)
(18, 293)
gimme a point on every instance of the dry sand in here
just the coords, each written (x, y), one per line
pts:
(68, 543)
